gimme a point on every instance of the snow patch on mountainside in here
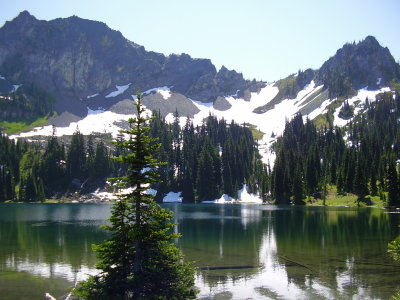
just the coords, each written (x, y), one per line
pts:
(15, 87)
(306, 91)
(96, 121)
(320, 110)
(120, 90)
(241, 111)
(164, 91)
(358, 102)
(92, 96)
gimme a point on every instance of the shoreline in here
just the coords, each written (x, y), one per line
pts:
(102, 201)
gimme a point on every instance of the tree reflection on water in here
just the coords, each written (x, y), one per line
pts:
(242, 251)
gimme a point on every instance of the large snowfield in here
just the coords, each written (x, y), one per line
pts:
(271, 123)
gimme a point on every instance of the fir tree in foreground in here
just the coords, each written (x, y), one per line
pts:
(139, 261)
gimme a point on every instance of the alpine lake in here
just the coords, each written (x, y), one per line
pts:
(241, 251)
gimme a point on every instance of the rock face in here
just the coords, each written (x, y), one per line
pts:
(73, 58)
(356, 66)
(222, 104)
(176, 102)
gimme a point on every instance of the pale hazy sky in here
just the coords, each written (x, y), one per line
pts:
(263, 39)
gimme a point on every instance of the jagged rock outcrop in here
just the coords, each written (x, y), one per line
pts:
(73, 58)
(356, 66)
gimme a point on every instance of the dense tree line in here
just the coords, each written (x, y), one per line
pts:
(207, 161)
(360, 159)
(31, 172)
(203, 162)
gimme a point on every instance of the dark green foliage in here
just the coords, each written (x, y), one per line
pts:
(139, 261)
(298, 187)
(28, 102)
(32, 172)
(53, 166)
(207, 187)
(301, 164)
(394, 249)
(208, 161)
(280, 184)
(360, 180)
(31, 186)
(84, 163)
(393, 186)
(77, 156)
(10, 156)
(101, 162)
(338, 86)
(367, 158)
(347, 111)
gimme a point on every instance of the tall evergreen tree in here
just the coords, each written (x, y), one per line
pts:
(139, 261)
(207, 176)
(100, 167)
(52, 167)
(76, 163)
(393, 187)
(298, 187)
(360, 182)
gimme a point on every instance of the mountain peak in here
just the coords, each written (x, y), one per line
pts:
(22, 22)
(371, 39)
(24, 16)
(371, 44)
(358, 65)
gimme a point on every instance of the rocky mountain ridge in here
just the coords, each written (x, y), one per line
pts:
(73, 58)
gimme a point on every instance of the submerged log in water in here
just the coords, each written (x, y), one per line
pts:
(227, 268)
(296, 263)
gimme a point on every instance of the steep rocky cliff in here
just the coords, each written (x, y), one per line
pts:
(74, 58)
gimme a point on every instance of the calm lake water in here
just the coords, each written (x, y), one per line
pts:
(242, 251)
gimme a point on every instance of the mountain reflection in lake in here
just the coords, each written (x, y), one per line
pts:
(242, 251)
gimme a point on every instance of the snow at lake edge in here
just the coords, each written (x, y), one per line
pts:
(175, 197)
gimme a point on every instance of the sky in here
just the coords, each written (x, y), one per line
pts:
(263, 39)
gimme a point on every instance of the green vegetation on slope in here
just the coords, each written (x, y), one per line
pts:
(13, 127)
